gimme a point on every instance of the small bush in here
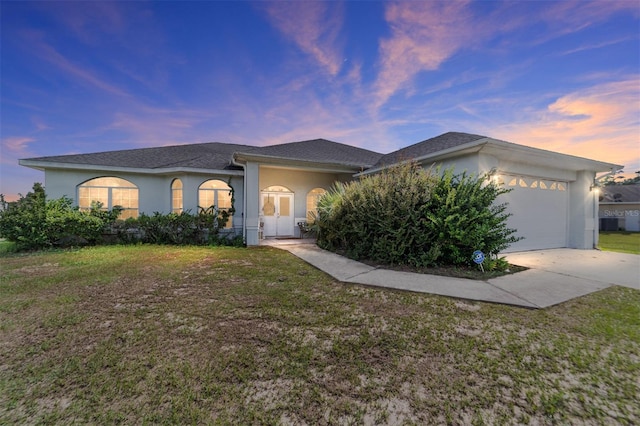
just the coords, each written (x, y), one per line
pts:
(411, 216)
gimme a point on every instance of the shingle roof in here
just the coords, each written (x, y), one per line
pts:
(213, 155)
(621, 193)
(321, 151)
(429, 146)
(217, 155)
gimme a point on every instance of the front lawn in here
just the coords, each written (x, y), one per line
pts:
(197, 335)
(621, 241)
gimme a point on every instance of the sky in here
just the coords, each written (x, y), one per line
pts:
(90, 76)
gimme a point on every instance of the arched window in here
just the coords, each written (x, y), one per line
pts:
(216, 193)
(110, 192)
(312, 203)
(176, 196)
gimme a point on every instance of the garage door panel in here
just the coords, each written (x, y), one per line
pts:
(539, 210)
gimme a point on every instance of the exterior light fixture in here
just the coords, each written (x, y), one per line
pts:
(493, 176)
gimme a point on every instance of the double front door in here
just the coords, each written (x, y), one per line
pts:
(277, 211)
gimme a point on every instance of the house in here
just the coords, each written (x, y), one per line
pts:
(620, 208)
(277, 186)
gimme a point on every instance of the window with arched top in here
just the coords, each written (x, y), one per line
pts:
(312, 203)
(276, 188)
(176, 196)
(109, 191)
(215, 193)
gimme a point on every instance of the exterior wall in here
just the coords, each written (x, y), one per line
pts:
(252, 203)
(476, 164)
(154, 191)
(625, 216)
(583, 202)
(300, 183)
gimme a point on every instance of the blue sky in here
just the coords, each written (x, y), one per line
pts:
(79, 77)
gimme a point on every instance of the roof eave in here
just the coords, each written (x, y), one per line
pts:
(43, 165)
(499, 149)
(276, 161)
(468, 148)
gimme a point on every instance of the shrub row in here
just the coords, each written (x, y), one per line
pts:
(206, 227)
(34, 223)
(407, 215)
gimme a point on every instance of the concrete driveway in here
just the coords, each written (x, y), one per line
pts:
(594, 265)
(555, 276)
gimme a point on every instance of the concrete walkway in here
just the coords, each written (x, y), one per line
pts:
(555, 276)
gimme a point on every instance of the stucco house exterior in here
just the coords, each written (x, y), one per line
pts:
(620, 208)
(275, 187)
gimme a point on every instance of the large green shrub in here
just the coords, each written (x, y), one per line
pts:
(23, 221)
(32, 222)
(408, 215)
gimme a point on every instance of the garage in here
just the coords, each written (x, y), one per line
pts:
(540, 209)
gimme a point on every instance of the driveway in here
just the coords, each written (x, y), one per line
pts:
(554, 277)
(602, 266)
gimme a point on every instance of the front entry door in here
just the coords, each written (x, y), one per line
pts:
(277, 210)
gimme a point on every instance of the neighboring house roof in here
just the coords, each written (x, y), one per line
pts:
(430, 146)
(620, 194)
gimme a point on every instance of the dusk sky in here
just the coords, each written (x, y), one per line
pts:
(80, 77)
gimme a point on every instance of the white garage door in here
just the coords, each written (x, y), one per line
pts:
(540, 211)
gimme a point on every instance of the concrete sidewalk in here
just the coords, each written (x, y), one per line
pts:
(555, 276)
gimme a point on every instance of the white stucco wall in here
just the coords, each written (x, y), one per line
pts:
(299, 182)
(154, 191)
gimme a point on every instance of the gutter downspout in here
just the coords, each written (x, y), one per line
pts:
(244, 196)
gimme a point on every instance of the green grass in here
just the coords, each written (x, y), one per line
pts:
(623, 242)
(196, 335)
(6, 246)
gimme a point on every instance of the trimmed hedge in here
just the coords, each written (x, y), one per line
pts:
(407, 215)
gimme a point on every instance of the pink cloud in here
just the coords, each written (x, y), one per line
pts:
(152, 126)
(424, 35)
(601, 122)
(575, 15)
(49, 54)
(88, 20)
(17, 144)
(313, 27)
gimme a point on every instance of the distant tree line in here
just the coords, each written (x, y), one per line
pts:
(612, 179)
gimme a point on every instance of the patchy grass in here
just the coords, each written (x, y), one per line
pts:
(196, 335)
(621, 241)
